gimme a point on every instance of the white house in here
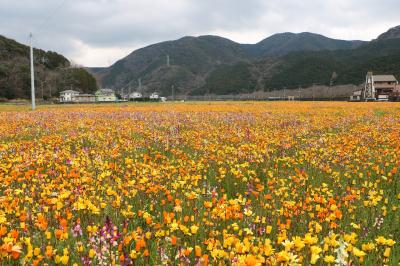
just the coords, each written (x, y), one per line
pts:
(135, 96)
(69, 96)
(154, 96)
(105, 95)
(379, 87)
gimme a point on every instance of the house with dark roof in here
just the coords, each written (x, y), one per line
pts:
(379, 87)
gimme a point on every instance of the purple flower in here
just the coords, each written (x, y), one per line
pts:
(77, 230)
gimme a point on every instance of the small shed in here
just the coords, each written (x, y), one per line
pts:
(86, 98)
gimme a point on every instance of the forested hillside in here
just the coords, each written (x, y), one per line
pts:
(214, 65)
(53, 72)
(209, 65)
(308, 68)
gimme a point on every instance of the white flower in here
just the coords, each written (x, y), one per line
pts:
(341, 254)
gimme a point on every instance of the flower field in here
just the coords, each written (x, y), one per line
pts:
(200, 184)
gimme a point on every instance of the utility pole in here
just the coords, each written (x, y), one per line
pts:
(32, 75)
(333, 79)
(173, 92)
(299, 94)
(41, 84)
(313, 94)
(140, 85)
(284, 93)
(168, 61)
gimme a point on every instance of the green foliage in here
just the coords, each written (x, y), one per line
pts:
(198, 56)
(284, 43)
(175, 77)
(303, 69)
(53, 60)
(75, 78)
(9, 48)
(82, 80)
(112, 73)
(228, 79)
(307, 68)
(3, 71)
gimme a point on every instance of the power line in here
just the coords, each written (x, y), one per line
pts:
(41, 27)
(27, 42)
(50, 16)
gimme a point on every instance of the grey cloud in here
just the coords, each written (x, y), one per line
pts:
(113, 24)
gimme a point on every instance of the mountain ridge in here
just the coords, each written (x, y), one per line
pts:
(283, 43)
(392, 33)
(211, 64)
(194, 59)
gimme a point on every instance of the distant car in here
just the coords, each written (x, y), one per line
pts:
(383, 98)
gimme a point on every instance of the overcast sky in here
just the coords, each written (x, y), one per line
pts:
(99, 32)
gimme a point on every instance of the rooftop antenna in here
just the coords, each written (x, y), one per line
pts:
(32, 74)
